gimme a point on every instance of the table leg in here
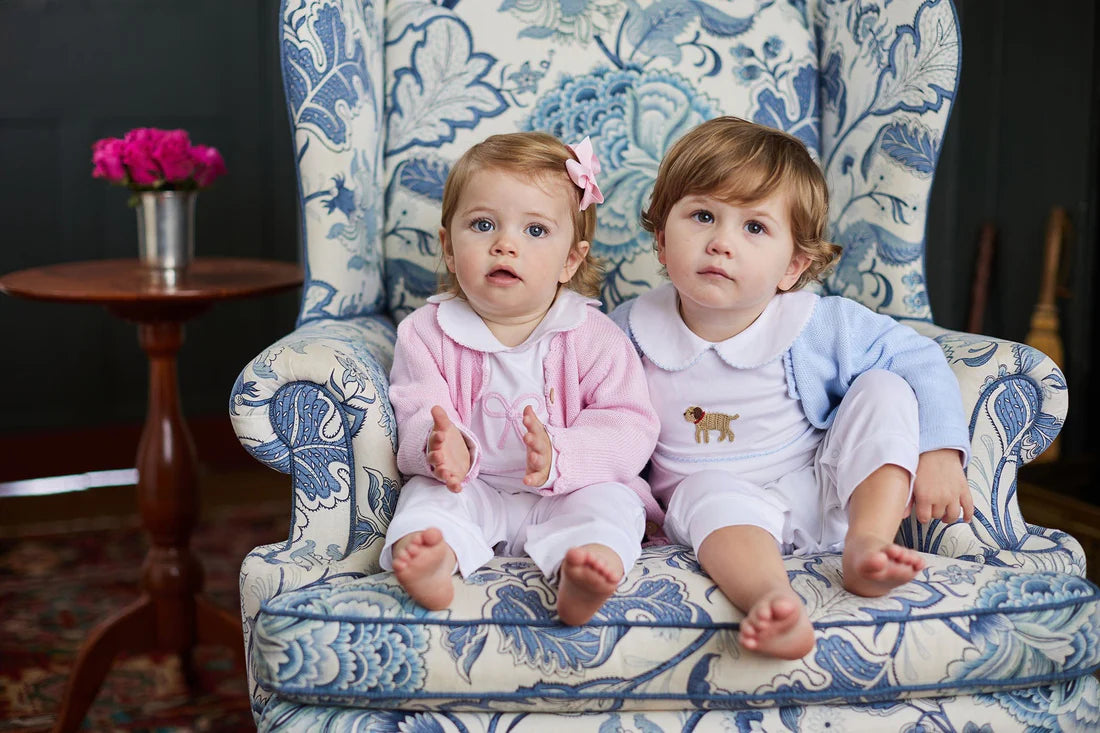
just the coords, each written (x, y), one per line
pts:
(129, 630)
(218, 626)
(170, 615)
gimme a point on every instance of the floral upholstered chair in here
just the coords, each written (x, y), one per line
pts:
(1000, 632)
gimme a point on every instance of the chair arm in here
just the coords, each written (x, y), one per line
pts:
(1017, 401)
(315, 405)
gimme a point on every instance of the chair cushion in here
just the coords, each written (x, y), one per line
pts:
(634, 77)
(667, 640)
(1067, 707)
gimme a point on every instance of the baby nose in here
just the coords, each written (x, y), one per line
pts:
(719, 245)
(503, 245)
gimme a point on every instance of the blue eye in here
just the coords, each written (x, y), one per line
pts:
(483, 225)
(703, 217)
(536, 231)
(755, 227)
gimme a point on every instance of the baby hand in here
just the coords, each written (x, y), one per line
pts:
(539, 449)
(940, 488)
(448, 454)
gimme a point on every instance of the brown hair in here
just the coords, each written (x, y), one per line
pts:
(541, 156)
(741, 162)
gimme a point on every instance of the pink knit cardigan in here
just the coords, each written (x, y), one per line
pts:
(601, 421)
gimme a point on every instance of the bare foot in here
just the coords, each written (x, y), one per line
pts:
(871, 567)
(777, 626)
(589, 575)
(424, 564)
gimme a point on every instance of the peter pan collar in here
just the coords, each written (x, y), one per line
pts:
(666, 340)
(463, 325)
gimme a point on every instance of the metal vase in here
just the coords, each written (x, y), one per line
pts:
(166, 232)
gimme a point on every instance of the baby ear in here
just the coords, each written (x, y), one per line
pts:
(448, 251)
(573, 260)
(798, 264)
(660, 234)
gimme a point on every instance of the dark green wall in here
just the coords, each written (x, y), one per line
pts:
(78, 71)
(1022, 138)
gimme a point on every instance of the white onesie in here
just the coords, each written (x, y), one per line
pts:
(735, 445)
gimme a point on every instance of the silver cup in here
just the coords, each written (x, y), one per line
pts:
(166, 233)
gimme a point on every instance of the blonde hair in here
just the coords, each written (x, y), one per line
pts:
(538, 155)
(741, 162)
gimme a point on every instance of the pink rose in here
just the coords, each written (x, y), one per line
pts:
(208, 164)
(172, 153)
(150, 158)
(137, 154)
(145, 136)
(107, 157)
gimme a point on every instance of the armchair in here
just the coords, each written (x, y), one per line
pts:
(1000, 632)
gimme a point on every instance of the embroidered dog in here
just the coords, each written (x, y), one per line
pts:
(707, 421)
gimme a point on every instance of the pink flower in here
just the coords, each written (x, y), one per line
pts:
(138, 155)
(148, 158)
(208, 164)
(107, 157)
(171, 152)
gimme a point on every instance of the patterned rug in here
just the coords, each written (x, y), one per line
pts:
(58, 583)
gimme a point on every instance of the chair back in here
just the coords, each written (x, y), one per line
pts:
(384, 97)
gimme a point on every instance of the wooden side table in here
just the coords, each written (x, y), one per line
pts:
(170, 614)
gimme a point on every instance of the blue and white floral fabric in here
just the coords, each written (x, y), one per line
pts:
(1064, 708)
(632, 77)
(332, 77)
(1000, 633)
(668, 639)
(868, 86)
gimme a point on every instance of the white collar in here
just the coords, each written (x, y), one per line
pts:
(463, 325)
(666, 340)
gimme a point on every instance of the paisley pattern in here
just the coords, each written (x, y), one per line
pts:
(999, 633)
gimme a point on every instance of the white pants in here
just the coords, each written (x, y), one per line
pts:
(806, 510)
(481, 519)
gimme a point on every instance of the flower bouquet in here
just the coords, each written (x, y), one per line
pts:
(164, 172)
(150, 159)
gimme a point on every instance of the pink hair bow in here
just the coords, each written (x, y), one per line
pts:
(583, 172)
